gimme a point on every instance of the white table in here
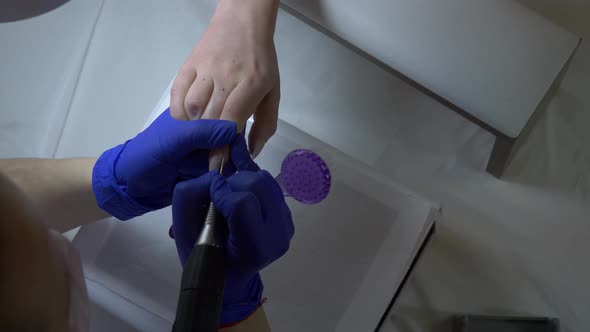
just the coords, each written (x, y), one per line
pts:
(492, 61)
(502, 248)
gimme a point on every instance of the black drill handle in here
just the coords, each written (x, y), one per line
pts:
(201, 291)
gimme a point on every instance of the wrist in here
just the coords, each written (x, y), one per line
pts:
(109, 195)
(261, 6)
(239, 304)
(261, 15)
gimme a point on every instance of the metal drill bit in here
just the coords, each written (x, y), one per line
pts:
(210, 233)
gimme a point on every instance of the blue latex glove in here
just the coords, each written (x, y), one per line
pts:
(139, 176)
(260, 229)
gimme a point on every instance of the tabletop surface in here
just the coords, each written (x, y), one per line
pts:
(494, 59)
(508, 246)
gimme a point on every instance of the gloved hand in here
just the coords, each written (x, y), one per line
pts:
(139, 176)
(260, 229)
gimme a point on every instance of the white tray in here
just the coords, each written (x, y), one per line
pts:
(347, 259)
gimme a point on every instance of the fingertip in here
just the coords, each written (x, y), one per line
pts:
(266, 120)
(218, 158)
(216, 102)
(209, 134)
(229, 169)
(273, 190)
(223, 125)
(191, 189)
(178, 113)
(244, 204)
(236, 119)
(209, 176)
(240, 155)
(240, 105)
(257, 149)
(266, 174)
(258, 136)
(224, 133)
(218, 188)
(178, 92)
(189, 201)
(197, 97)
(215, 175)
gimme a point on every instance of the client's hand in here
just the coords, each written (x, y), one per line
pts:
(260, 229)
(232, 73)
(139, 176)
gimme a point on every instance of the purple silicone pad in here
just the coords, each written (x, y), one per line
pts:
(305, 176)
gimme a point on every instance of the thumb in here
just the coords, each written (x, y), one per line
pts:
(241, 210)
(202, 134)
(240, 156)
(265, 121)
(189, 204)
(220, 191)
(234, 205)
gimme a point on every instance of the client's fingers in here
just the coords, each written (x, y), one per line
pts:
(180, 87)
(198, 97)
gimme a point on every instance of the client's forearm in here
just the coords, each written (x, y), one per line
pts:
(61, 188)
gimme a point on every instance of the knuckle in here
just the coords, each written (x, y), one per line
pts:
(289, 227)
(266, 75)
(228, 72)
(287, 235)
(242, 204)
(252, 181)
(176, 113)
(252, 81)
(267, 179)
(259, 78)
(291, 231)
(263, 74)
(261, 255)
(267, 185)
(283, 250)
(181, 189)
(243, 201)
(193, 105)
(258, 182)
(176, 91)
(261, 70)
(231, 67)
(280, 249)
